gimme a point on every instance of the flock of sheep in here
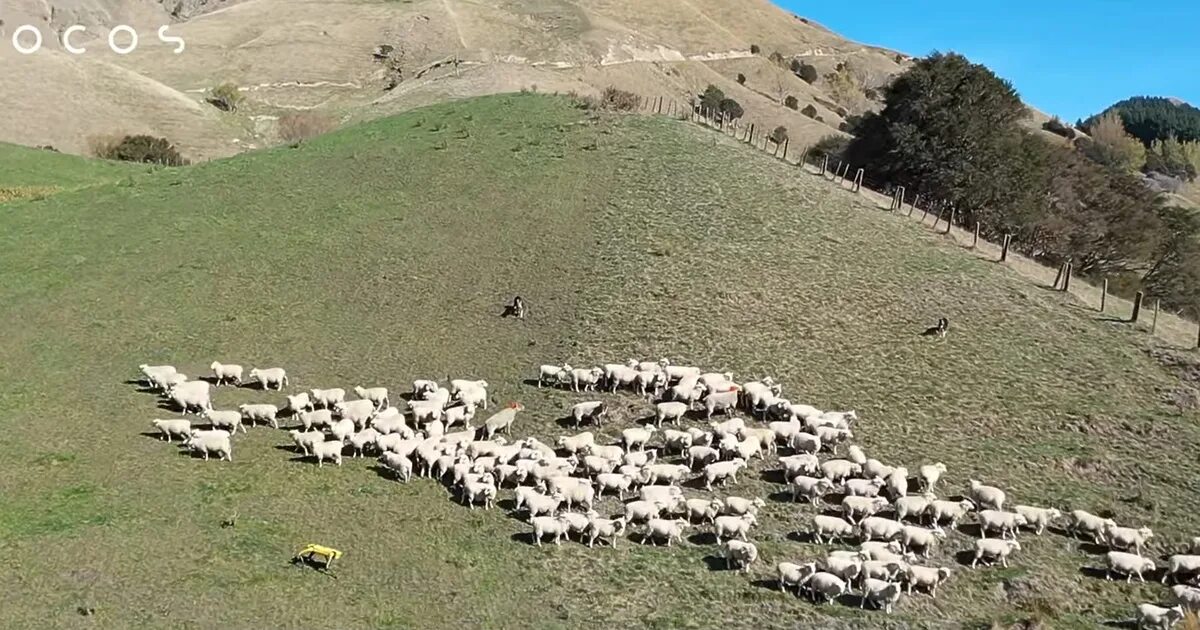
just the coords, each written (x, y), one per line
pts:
(557, 486)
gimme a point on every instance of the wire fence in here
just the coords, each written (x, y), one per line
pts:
(946, 220)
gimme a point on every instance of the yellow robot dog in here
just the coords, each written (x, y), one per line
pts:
(318, 556)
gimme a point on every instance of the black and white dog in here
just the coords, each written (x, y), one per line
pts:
(939, 330)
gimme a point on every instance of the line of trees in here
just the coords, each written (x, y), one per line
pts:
(949, 131)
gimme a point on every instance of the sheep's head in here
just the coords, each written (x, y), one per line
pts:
(967, 505)
(1145, 533)
(255, 372)
(943, 574)
(1053, 513)
(1020, 520)
(631, 363)
(596, 372)
(1148, 565)
(1014, 545)
(749, 518)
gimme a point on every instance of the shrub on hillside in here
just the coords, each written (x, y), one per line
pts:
(808, 72)
(299, 126)
(143, 148)
(619, 100)
(831, 145)
(731, 108)
(777, 59)
(754, 49)
(809, 110)
(779, 134)
(225, 97)
(741, 79)
(791, 102)
(1057, 127)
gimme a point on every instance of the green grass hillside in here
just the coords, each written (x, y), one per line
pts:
(26, 166)
(383, 253)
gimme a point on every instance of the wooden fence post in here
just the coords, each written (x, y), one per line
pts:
(925, 212)
(750, 138)
(1154, 322)
(975, 239)
(913, 206)
(1103, 295)
(1137, 307)
(786, 142)
(824, 164)
(858, 177)
(938, 218)
(950, 221)
(1067, 277)
(1004, 250)
(845, 171)
(1058, 277)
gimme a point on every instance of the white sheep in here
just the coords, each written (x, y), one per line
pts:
(593, 465)
(614, 482)
(676, 441)
(501, 421)
(888, 570)
(855, 454)
(703, 509)
(397, 443)
(856, 507)
(913, 505)
(152, 374)
(607, 451)
(912, 537)
(305, 440)
(723, 401)
(377, 395)
(473, 491)
(832, 527)
(641, 510)
(576, 443)
(317, 418)
(422, 388)
(1007, 523)
(458, 414)
(799, 464)
(863, 487)
(831, 437)
(623, 376)
(173, 427)
(473, 393)
(877, 550)
(192, 396)
(879, 528)
(400, 465)
(700, 437)
(811, 488)
(722, 472)
(992, 549)
(1195, 546)
(640, 458)
(680, 372)
(986, 496)
(601, 528)
(649, 383)
(666, 495)
(686, 393)
(881, 594)
(299, 402)
(1188, 596)
(670, 411)
(701, 456)
(224, 419)
(741, 505)
(825, 586)
(845, 566)
(556, 526)
(1181, 564)
(1126, 537)
(1159, 616)
(928, 578)
(586, 379)
(791, 574)
(785, 430)
(267, 377)
(226, 373)
(929, 474)
(940, 510)
(804, 443)
(592, 411)
(1086, 522)
(740, 554)
(670, 473)
(1039, 518)
(875, 469)
(210, 442)
(327, 398)
(733, 526)
(1127, 564)
(660, 528)
(897, 483)
(839, 469)
(390, 420)
(426, 410)
(575, 491)
(555, 374)
(359, 412)
(341, 430)
(329, 449)
(260, 412)
(362, 439)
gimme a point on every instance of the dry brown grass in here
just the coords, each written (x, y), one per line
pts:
(295, 127)
(14, 193)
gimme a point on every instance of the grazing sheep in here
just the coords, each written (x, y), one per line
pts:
(178, 427)
(263, 412)
(472, 393)
(342, 429)
(575, 491)
(329, 449)
(740, 554)
(825, 586)
(1126, 537)
(318, 418)
(426, 410)
(637, 436)
(805, 443)
(1086, 522)
(1127, 564)
(586, 379)
(601, 528)
(390, 420)
(666, 495)
(473, 491)
(1188, 596)
(940, 510)
(660, 528)
(228, 420)
(811, 488)
(877, 550)
(897, 483)
(875, 469)
(152, 375)
(556, 526)
(192, 396)
(729, 427)
(640, 458)
(929, 474)
(226, 373)
(986, 496)
(723, 401)
(992, 549)
(855, 508)
(700, 437)
(680, 372)
(576, 443)
(362, 439)
(422, 388)
(396, 443)
(800, 464)
(1158, 616)
(210, 442)
(913, 505)
(880, 593)
(749, 447)
(592, 411)
(670, 473)
(676, 441)
(687, 394)
(641, 511)
(1007, 523)
(611, 451)
(377, 395)
(928, 578)
(327, 398)
(1181, 564)
(501, 422)
(267, 377)
(722, 472)
(299, 402)
(831, 437)
(912, 537)
(359, 412)
(304, 441)
(556, 374)
(398, 464)
(739, 505)
(615, 482)
(593, 465)
(649, 383)
(671, 411)
(833, 527)
(888, 570)
(458, 414)
(785, 430)
(855, 454)
(535, 502)
(703, 509)
(863, 487)
(733, 526)
(879, 528)
(702, 456)
(1039, 518)
(791, 574)
(623, 376)
(839, 469)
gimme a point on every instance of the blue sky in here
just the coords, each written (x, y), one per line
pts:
(1071, 59)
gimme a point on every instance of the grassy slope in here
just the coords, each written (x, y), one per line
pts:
(383, 252)
(25, 166)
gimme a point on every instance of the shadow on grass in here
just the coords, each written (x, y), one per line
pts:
(970, 529)
(1093, 572)
(1093, 549)
(851, 600)
(966, 557)
(772, 476)
(783, 496)
(703, 538)
(716, 563)
(801, 537)
(157, 435)
(1121, 623)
